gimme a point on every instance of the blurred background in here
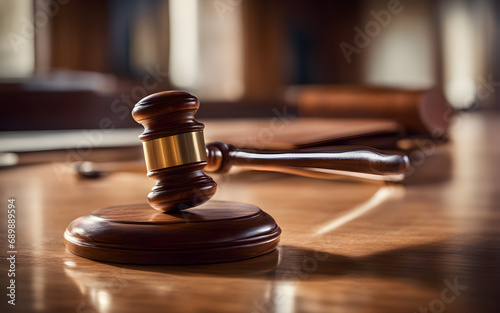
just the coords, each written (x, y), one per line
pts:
(66, 64)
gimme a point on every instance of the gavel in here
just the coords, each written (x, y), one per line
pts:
(176, 155)
(180, 225)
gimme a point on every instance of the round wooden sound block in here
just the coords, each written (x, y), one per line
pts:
(216, 231)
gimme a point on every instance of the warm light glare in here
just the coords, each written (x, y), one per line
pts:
(221, 46)
(285, 296)
(184, 43)
(384, 194)
(460, 91)
(17, 47)
(459, 55)
(401, 53)
(207, 49)
(104, 300)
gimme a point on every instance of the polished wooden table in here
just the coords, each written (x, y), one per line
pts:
(429, 245)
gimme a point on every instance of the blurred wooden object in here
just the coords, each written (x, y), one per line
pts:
(420, 112)
(286, 132)
(297, 42)
(345, 247)
(76, 44)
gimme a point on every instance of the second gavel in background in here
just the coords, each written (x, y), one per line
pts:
(176, 154)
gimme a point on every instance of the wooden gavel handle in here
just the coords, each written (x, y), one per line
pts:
(221, 157)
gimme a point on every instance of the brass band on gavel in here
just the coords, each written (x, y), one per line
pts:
(174, 150)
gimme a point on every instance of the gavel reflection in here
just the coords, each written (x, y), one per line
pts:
(176, 155)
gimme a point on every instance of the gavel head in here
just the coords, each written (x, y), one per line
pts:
(174, 149)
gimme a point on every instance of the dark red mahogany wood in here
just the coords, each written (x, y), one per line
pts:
(216, 231)
(170, 113)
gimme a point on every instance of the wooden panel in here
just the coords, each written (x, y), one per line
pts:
(79, 36)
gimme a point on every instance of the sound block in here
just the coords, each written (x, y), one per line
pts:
(217, 231)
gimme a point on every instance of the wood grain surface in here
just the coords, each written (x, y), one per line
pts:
(283, 131)
(431, 245)
(216, 231)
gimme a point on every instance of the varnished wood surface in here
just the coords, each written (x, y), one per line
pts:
(346, 246)
(283, 131)
(221, 157)
(185, 185)
(216, 231)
